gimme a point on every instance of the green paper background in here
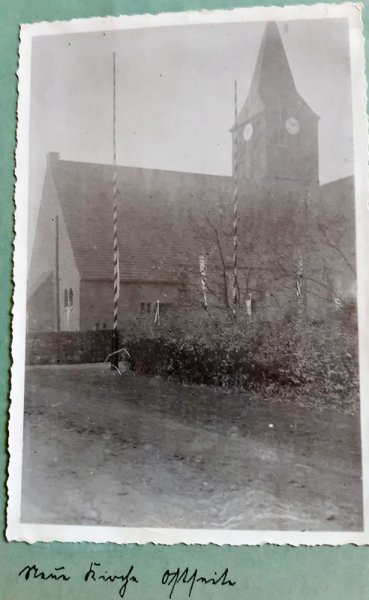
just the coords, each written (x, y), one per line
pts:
(261, 572)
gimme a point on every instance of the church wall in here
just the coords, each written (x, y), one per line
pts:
(41, 303)
(292, 157)
(69, 295)
(337, 208)
(288, 228)
(41, 307)
(273, 153)
(135, 295)
(97, 301)
(96, 305)
(251, 153)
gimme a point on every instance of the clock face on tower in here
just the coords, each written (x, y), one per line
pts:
(292, 126)
(248, 131)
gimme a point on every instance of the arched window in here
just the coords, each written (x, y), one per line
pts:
(65, 298)
(70, 297)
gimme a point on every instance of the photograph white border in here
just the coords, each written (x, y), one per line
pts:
(16, 530)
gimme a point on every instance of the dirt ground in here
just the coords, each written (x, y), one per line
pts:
(131, 450)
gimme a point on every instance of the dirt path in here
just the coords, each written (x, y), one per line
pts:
(137, 451)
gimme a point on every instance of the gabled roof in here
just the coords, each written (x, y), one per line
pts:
(161, 225)
(157, 213)
(272, 82)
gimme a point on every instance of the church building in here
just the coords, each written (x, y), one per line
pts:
(296, 238)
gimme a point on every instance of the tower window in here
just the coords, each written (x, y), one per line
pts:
(149, 307)
(70, 297)
(65, 298)
(142, 308)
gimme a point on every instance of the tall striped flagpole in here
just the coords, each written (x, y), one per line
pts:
(299, 279)
(115, 338)
(235, 208)
(202, 264)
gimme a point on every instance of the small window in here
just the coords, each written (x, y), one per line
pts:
(149, 307)
(97, 326)
(65, 298)
(70, 297)
(142, 308)
(104, 325)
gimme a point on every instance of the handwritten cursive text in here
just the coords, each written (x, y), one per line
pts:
(33, 572)
(184, 577)
(94, 574)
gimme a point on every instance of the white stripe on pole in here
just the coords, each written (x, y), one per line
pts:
(157, 313)
(202, 265)
(299, 276)
(235, 207)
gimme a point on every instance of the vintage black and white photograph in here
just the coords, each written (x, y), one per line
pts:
(189, 279)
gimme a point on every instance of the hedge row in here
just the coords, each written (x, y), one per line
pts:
(321, 358)
(68, 347)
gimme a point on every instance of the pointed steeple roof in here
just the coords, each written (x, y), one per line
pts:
(272, 81)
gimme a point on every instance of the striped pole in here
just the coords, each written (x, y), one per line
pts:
(202, 265)
(115, 339)
(299, 279)
(157, 313)
(57, 272)
(235, 208)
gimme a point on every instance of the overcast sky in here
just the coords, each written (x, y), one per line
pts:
(175, 95)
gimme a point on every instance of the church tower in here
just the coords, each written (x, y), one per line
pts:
(276, 131)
